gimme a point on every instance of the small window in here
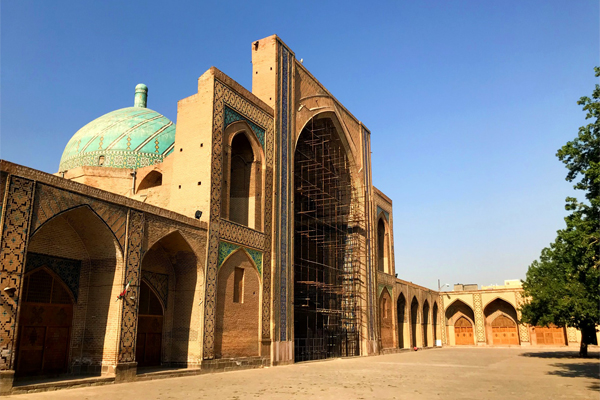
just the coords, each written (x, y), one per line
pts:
(238, 285)
(101, 160)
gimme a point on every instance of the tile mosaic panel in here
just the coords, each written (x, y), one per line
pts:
(50, 201)
(241, 234)
(226, 249)
(133, 265)
(224, 97)
(13, 245)
(160, 284)
(479, 319)
(523, 329)
(68, 270)
(231, 116)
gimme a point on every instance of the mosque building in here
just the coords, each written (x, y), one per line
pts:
(247, 233)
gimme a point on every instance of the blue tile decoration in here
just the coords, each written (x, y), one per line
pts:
(230, 116)
(387, 214)
(67, 270)
(226, 249)
(284, 91)
(256, 256)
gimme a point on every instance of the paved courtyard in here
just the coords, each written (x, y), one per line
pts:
(449, 373)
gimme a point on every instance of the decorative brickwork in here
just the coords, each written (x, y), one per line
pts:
(283, 124)
(443, 319)
(158, 282)
(523, 329)
(225, 97)
(50, 201)
(479, 319)
(572, 334)
(243, 235)
(231, 116)
(15, 229)
(66, 269)
(133, 265)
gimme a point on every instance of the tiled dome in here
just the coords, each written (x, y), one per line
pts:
(131, 137)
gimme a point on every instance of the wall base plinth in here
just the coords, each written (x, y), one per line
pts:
(125, 372)
(7, 378)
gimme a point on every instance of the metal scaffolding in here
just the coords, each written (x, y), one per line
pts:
(329, 247)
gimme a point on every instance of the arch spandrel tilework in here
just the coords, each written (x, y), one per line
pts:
(66, 269)
(13, 246)
(224, 97)
(133, 266)
(159, 282)
(523, 329)
(50, 201)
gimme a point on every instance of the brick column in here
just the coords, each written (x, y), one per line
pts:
(479, 319)
(126, 365)
(16, 206)
(523, 329)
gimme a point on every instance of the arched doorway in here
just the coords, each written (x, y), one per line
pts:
(77, 248)
(325, 293)
(459, 324)
(171, 279)
(45, 322)
(463, 332)
(501, 323)
(434, 324)
(426, 324)
(150, 328)
(238, 306)
(401, 310)
(386, 324)
(414, 319)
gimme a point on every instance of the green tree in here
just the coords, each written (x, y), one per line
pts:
(563, 286)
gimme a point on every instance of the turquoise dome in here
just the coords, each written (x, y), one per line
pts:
(131, 137)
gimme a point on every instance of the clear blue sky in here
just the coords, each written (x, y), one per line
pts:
(467, 101)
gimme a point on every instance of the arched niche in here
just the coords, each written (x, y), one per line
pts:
(383, 245)
(434, 323)
(386, 321)
(171, 271)
(426, 341)
(501, 323)
(464, 333)
(238, 307)
(325, 232)
(403, 335)
(414, 321)
(243, 176)
(152, 179)
(79, 247)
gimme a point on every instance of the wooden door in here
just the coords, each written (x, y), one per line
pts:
(504, 331)
(45, 326)
(463, 332)
(550, 336)
(150, 324)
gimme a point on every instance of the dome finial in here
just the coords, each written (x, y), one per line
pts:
(141, 95)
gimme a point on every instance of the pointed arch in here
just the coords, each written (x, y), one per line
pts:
(414, 321)
(386, 323)
(460, 322)
(426, 341)
(401, 318)
(501, 323)
(243, 181)
(238, 307)
(172, 271)
(435, 322)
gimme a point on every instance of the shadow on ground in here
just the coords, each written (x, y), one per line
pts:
(585, 368)
(592, 355)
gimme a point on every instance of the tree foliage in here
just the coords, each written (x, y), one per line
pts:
(563, 286)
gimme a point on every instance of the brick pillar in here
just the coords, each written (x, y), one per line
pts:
(523, 329)
(479, 320)
(16, 205)
(127, 366)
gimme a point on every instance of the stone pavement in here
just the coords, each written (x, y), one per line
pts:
(448, 373)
